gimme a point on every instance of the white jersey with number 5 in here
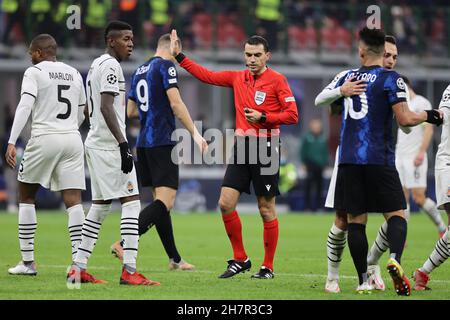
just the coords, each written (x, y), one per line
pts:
(105, 75)
(58, 91)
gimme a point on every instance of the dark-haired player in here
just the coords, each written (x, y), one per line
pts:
(263, 102)
(53, 95)
(109, 158)
(367, 180)
(337, 236)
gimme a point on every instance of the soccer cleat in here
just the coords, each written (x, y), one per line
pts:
(136, 279)
(421, 280)
(364, 288)
(77, 274)
(23, 269)
(182, 265)
(332, 286)
(374, 277)
(117, 250)
(401, 282)
(235, 267)
(263, 273)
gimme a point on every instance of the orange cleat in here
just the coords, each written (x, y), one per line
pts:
(136, 279)
(421, 280)
(401, 283)
(77, 274)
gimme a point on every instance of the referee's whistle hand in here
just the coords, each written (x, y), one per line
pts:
(252, 115)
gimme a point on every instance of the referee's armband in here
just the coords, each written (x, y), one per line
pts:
(180, 57)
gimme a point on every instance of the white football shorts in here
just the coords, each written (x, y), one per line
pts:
(329, 202)
(107, 179)
(442, 178)
(55, 161)
(411, 176)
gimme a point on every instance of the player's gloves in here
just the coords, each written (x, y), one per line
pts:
(127, 157)
(434, 117)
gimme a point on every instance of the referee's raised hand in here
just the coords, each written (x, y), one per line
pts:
(175, 43)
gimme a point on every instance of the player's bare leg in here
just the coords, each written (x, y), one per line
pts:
(336, 241)
(27, 229)
(439, 255)
(430, 208)
(227, 202)
(266, 207)
(396, 234)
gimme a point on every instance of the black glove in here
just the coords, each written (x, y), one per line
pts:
(434, 117)
(127, 157)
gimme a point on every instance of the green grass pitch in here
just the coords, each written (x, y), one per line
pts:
(300, 262)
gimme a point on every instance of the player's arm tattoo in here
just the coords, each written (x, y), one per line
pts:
(107, 109)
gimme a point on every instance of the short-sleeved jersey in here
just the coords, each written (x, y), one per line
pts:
(148, 89)
(366, 130)
(105, 76)
(58, 91)
(443, 153)
(408, 145)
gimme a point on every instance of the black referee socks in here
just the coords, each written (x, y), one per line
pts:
(357, 243)
(396, 234)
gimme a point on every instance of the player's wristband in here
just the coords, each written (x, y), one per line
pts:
(180, 57)
(263, 118)
(434, 117)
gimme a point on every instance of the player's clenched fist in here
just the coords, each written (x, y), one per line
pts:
(127, 157)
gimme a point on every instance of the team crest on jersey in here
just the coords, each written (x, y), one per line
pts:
(130, 186)
(401, 84)
(111, 78)
(172, 71)
(260, 97)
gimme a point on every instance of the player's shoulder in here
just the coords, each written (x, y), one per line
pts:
(276, 76)
(106, 61)
(34, 70)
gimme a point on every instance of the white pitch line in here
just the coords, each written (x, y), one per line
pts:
(299, 275)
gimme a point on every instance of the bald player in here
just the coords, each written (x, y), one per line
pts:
(52, 92)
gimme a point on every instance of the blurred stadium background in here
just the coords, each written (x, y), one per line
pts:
(311, 41)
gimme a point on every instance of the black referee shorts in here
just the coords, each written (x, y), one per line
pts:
(155, 167)
(368, 188)
(256, 165)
